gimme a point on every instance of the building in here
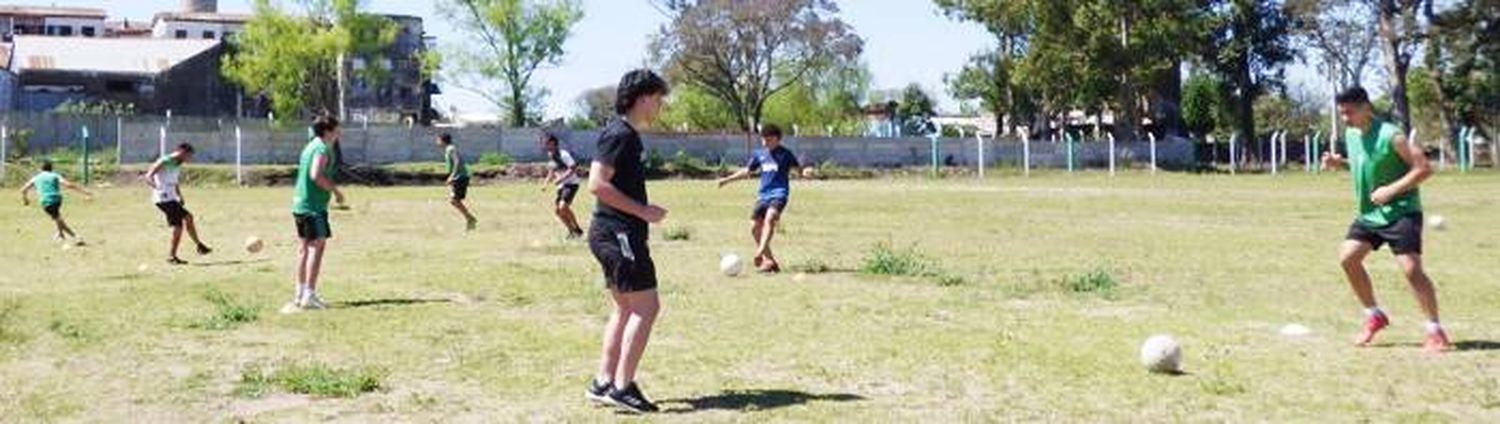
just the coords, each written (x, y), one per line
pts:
(155, 75)
(405, 93)
(53, 21)
(198, 25)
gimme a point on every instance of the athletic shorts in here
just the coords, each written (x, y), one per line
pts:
(763, 206)
(174, 212)
(53, 210)
(1404, 236)
(459, 189)
(623, 255)
(565, 194)
(313, 226)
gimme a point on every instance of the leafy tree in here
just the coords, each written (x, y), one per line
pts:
(597, 105)
(511, 40)
(692, 108)
(1401, 34)
(1336, 34)
(1249, 50)
(744, 53)
(1202, 104)
(1464, 61)
(915, 111)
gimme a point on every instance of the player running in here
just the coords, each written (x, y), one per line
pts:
(775, 164)
(1387, 169)
(49, 187)
(458, 179)
(310, 211)
(564, 174)
(163, 177)
(618, 239)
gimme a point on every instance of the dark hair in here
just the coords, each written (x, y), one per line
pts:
(184, 147)
(549, 137)
(324, 125)
(47, 165)
(1353, 96)
(445, 138)
(770, 131)
(635, 85)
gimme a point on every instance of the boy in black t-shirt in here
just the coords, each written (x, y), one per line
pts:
(617, 238)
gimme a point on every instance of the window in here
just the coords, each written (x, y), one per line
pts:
(65, 31)
(118, 86)
(208, 35)
(181, 34)
(88, 31)
(51, 30)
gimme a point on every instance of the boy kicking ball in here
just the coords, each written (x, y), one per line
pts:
(163, 178)
(458, 179)
(617, 238)
(1387, 170)
(775, 163)
(310, 211)
(49, 187)
(564, 174)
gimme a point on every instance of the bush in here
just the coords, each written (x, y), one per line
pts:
(495, 159)
(884, 260)
(228, 313)
(1095, 281)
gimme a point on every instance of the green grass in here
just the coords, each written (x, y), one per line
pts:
(678, 233)
(1021, 300)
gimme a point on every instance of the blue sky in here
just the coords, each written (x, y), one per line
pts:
(905, 41)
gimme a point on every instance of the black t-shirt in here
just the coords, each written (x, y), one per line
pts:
(620, 147)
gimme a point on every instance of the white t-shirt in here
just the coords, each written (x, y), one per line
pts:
(166, 182)
(564, 162)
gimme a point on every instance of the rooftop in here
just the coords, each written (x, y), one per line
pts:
(103, 55)
(73, 12)
(218, 18)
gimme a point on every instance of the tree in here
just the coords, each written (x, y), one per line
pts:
(743, 53)
(1339, 31)
(915, 111)
(828, 99)
(1249, 50)
(988, 76)
(298, 62)
(692, 108)
(1202, 104)
(598, 105)
(1401, 34)
(511, 40)
(1464, 63)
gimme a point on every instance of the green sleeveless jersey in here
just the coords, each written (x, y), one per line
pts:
(1374, 163)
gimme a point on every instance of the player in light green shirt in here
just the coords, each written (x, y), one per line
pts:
(310, 211)
(1387, 168)
(458, 178)
(49, 187)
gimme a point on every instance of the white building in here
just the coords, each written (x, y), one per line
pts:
(198, 25)
(53, 21)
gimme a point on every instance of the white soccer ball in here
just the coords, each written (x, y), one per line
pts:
(1437, 222)
(1161, 354)
(254, 244)
(731, 265)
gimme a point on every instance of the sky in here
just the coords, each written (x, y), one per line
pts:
(906, 41)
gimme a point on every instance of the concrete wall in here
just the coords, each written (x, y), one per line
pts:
(140, 141)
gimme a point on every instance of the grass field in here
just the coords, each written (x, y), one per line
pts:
(1032, 299)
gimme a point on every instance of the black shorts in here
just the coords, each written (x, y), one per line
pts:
(1404, 236)
(313, 226)
(765, 205)
(174, 212)
(623, 255)
(459, 189)
(53, 210)
(565, 194)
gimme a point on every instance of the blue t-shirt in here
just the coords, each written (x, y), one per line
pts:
(775, 167)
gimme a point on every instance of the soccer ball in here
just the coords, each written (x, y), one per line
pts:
(1161, 354)
(254, 244)
(809, 172)
(1437, 222)
(731, 265)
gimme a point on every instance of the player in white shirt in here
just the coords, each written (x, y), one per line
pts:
(163, 177)
(564, 173)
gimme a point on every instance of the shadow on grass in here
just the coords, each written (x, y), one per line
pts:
(230, 263)
(1476, 345)
(754, 400)
(385, 302)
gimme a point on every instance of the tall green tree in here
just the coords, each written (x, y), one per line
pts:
(1202, 104)
(509, 40)
(1249, 50)
(744, 53)
(1401, 35)
(915, 111)
(1464, 61)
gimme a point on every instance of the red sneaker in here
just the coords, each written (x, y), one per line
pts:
(1373, 325)
(1437, 342)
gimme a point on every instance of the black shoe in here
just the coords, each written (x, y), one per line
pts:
(599, 392)
(204, 250)
(631, 399)
(575, 235)
(175, 261)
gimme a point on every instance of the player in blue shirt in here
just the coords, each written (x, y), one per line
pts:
(775, 164)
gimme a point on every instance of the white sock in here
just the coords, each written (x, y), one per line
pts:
(301, 292)
(1373, 311)
(1433, 327)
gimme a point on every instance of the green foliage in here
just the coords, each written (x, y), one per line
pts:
(293, 59)
(882, 259)
(827, 100)
(102, 107)
(509, 40)
(1466, 53)
(683, 164)
(1202, 104)
(315, 380)
(228, 313)
(813, 266)
(1097, 281)
(18, 143)
(72, 331)
(678, 233)
(915, 111)
(495, 159)
(691, 108)
(597, 106)
(1250, 46)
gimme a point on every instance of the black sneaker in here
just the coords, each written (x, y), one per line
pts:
(204, 250)
(598, 392)
(175, 261)
(575, 235)
(631, 399)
